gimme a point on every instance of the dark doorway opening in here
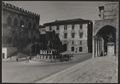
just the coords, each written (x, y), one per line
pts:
(108, 33)
(3, 55)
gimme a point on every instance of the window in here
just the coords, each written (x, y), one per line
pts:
(65, 27)
(15, 22)
(72, 27)
(34, 26)
(80, 49)
(81, 34)
(9, 20)
(29, 25)
(57, 27)
(80, 26)
(73, 35)
(21, 24)
(72, 42)
(50, 28)
(65, 35)
(80, 42)
(72, 48)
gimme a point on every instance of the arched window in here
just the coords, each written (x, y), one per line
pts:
(21, 23)
(15, 22)
(34, 26)
(29, 25)
(9, 21)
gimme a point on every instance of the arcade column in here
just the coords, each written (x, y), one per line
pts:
(96, 48)
(93, 48)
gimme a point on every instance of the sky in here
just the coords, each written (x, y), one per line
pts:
(61, 10)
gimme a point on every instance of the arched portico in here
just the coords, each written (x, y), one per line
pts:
(104, 41)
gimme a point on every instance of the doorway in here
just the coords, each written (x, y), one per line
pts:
(3, 55)
(110, 49)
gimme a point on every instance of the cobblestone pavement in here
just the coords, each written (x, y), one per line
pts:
(98, 70)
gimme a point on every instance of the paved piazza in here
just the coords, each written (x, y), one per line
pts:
(27, 72)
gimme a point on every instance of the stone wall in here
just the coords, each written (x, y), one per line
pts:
(19, 27)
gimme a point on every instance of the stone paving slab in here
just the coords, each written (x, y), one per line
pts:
(98, 70)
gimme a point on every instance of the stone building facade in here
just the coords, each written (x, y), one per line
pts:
(75, 34)
(19, 29)
(105, 32)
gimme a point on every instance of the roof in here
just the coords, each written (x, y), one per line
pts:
(69, 21)
(18, 9)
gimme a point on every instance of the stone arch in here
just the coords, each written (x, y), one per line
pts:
(100, 24)
(103, 27)
(105, 41)
(107, 28)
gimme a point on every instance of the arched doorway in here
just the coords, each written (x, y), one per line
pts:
(105, 41)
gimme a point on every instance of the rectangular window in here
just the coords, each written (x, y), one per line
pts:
(81, 34)
(73, 35)
(65, 27)
(80, 26)
(72, 48)
(80, 49)
(57, 27)
(50, 28)
(72, 27)
(65, 35)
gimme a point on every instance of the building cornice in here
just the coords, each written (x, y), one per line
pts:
(69, 21)
(13, 8)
